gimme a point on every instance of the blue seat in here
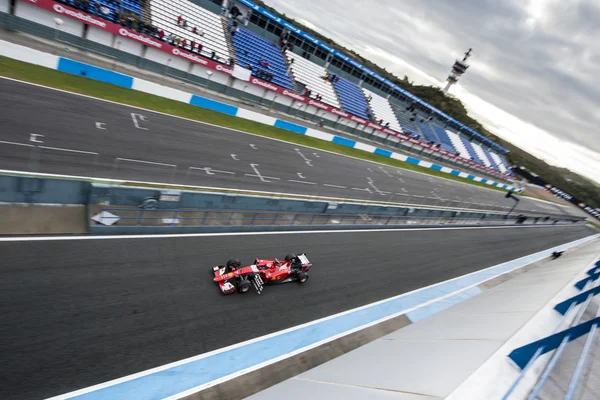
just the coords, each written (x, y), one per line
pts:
(351, 97)
(250, 49)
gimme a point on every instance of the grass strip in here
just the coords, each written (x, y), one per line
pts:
(48, 77)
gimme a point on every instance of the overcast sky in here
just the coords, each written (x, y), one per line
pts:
(535, 72)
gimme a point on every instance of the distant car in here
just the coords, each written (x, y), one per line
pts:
(233, 276)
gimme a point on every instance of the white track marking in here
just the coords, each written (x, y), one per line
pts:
(363, 189)
(316, 155)
(404, 190)
(17, 144)
(195, 235)
(234, 156)
(398, 169)
(300, 175)
(101, 125)
(385, 171)
(335, 186)
(401, 180)
(68, 150)
(306, 160)
(210, 171)
(253, 146)
(261, 177)
(146, 162)
(372, 184)
(33, 137)
(305, 182)
(136, 123)
(370, 169)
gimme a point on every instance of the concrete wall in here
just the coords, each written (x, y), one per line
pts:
(43, 17)
(135, 48)
(4, 6)
(100, 36)
(15, 189)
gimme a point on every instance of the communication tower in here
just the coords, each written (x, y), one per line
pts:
(458, 69)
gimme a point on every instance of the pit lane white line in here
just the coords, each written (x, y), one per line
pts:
(385, 171)
(335, 186)
(305, 182)
(146, 162)
(16, 144)
(70, 150)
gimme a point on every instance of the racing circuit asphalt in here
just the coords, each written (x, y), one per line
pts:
(158, 148)
(80, 312)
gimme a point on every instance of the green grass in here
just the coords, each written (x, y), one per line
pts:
(44, 76)
(594, 224)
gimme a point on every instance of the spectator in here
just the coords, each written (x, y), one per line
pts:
(194, 30)
(179, 20)
(381, 121)
(213, 55)
(231, 62)
(200, 47)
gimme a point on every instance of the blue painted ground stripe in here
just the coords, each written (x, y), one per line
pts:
(412, 160)
(383, 152)
(454, 172)
(471, 177)
(194, 373)
(343, 141)
(95, 73)
(483, 180)
(436, 167)
(213, 105)
(288, 126)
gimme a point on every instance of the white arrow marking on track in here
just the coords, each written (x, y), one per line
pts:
(253, 146)
(385, 172)
(300, 175)
(234, 156)
(101, 125)
(374, 187)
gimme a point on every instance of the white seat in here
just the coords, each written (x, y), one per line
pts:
(458, 144)
(382, 110)
(481, 154)
(498, 162)
(310, 74)
(164, 16)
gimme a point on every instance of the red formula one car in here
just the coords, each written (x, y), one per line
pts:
(233, 276)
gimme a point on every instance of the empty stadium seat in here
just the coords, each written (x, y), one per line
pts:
(444, 139)
(164, 15)
(251, 48)
(486, 151)
(471, 150)
(481, 154)
(404, 120)
(382, 110)
(427, 132)
(351, 97)
(498, 162)
(458, 144)
(311, 75)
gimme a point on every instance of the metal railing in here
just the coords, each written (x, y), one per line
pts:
(139, 217)
(558, 352)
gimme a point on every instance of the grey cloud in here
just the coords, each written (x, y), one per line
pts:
(526, 56)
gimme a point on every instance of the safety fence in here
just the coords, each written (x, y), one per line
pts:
(583, 322)
(107, 217)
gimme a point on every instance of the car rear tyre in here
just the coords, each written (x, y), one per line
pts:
(290, 257)
(302, 277)
(234, 262)
(244, 286)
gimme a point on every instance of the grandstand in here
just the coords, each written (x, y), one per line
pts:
(312, 77)
(209, 26)
(382, 110)
(351, 97)
(251, 48)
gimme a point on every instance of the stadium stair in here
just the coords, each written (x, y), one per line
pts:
(498, 162)
(351, 97)
(404, 120)
(311, 76)
(250, 48)
(211, 33)
(486, 151)
(428, 133)
(382, 110)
